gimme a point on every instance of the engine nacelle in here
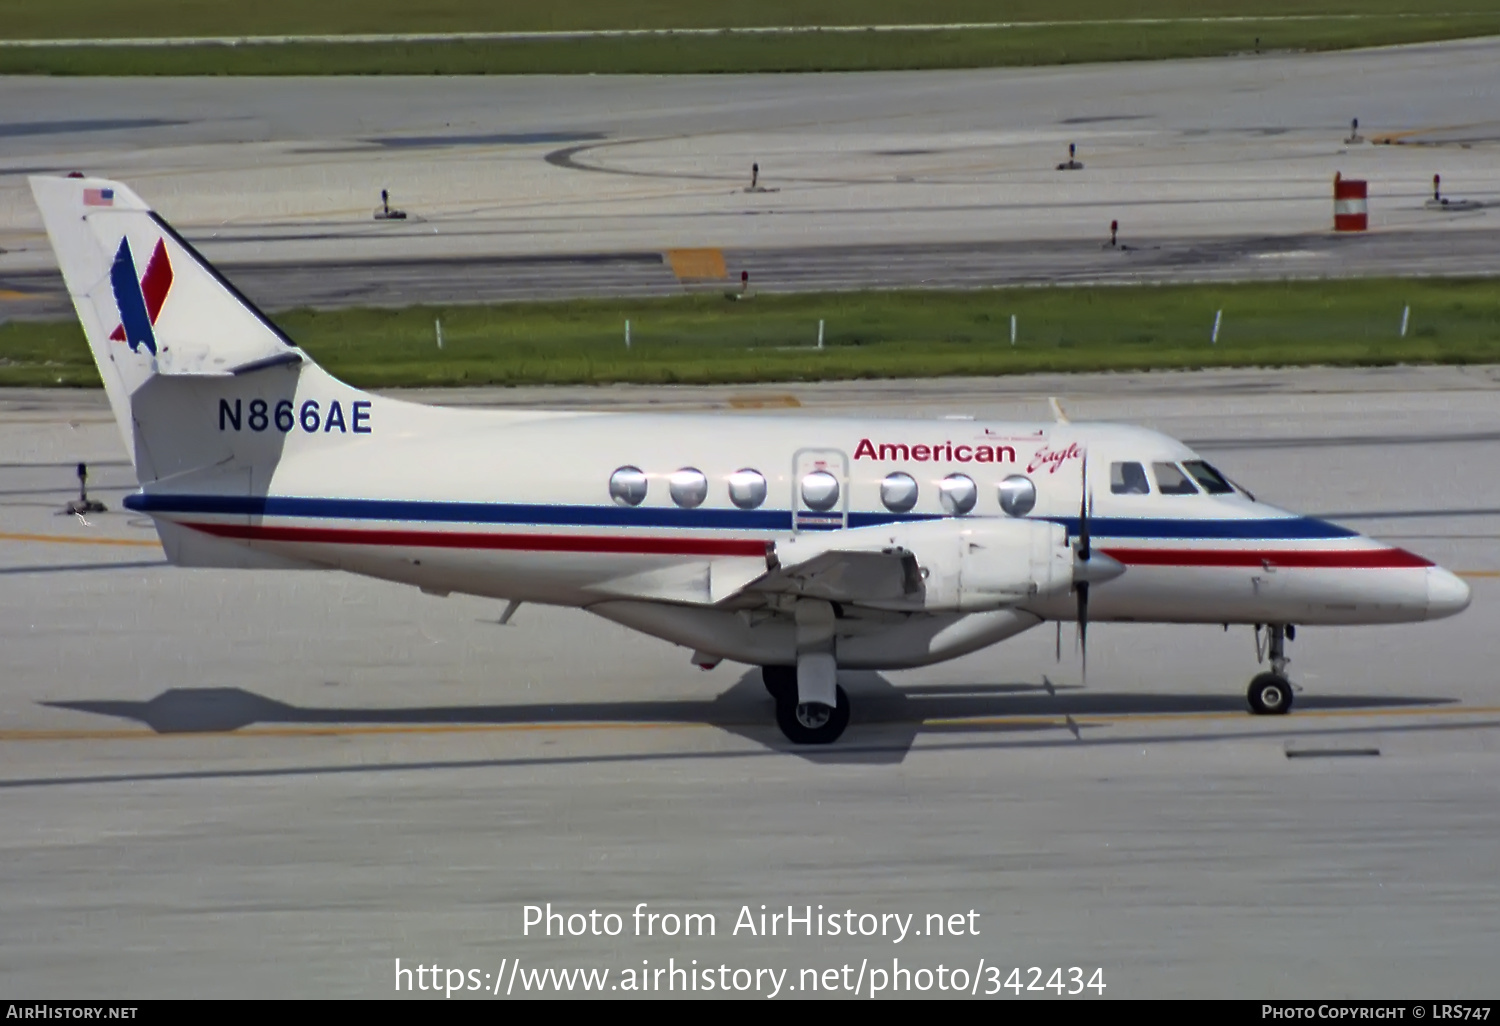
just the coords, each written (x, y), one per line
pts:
(952, 565)
(972, 565)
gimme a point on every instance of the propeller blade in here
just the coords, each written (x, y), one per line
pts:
(1083, 626)
(1084, 510)
(1059, 639)
(1083, 555)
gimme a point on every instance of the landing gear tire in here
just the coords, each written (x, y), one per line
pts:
(780, 681)
(812, 723)
(1270, 695)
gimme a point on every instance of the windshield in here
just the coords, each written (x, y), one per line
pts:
(1170, 480)
(1213, 482)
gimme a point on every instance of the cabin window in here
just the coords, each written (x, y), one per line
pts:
(820, 490)
(958, 493)
(1017, 495)
(747, 488)
(1213, 482)
(688, 487)
(1170, 480)
(899, 492)
(1128, 479)
(627, 486)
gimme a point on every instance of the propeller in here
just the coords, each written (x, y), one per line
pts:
(1089, 567)
(1082, 557)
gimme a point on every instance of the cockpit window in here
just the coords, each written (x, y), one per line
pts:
(1128, 479)
(1213, 482)
(1170, 480)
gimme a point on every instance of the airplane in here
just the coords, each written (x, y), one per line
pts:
(801, 546)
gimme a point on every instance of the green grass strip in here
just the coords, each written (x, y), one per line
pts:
(707, 338)
(870, 51)
(54, 19)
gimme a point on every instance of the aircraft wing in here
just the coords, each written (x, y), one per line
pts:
(835, 575)
(967, 566)
(847, 575)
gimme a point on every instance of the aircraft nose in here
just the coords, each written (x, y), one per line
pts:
(1446, 593)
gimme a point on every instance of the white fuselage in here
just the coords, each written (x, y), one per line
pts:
(518, 505)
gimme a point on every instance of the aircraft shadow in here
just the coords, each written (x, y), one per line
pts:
(886, 720)
(59, 568)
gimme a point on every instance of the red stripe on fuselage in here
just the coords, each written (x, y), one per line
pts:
(625, 544)
(1344, 559)
(1338, 559)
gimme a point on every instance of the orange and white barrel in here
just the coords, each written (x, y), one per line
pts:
(1351, 209)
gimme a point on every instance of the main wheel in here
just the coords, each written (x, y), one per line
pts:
(812, 723)
(780, 681)
(1270, 695)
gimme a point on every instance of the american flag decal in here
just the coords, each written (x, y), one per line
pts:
(98, 197)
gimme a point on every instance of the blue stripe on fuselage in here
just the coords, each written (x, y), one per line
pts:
(526, 514)
(1280, 528)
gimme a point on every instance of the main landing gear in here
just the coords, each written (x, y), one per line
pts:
(1271, 693)
(805, 723)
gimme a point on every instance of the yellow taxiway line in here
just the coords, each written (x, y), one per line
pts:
(1047, 720)
(68, 539)
(1397, 138)
(331, 730)
(1094, 720)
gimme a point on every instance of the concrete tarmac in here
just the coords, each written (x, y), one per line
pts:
(240, 783)
(538, 186)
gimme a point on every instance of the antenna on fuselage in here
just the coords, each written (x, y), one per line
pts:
(1057, 410)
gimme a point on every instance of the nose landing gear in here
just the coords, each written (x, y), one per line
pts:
(1270, 694)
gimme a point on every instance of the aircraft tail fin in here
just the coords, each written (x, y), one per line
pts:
(150, 304)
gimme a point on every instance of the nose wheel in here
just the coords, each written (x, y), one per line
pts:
(1270, 694)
